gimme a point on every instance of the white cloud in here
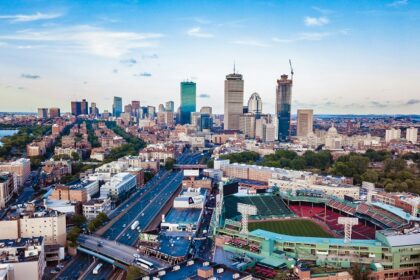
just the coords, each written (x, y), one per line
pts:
(251, 43)
(313, 21)
(28, 18)
(398, 3)
(313, 36)
(88, 39)
(196, 32)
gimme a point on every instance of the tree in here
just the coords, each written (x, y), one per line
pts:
(75, 156)
(210, 163)
(370, 176)
(169, 163)
(72, 236)
(298, 163)
(79, 220)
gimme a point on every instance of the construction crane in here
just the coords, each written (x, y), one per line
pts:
(291, 69)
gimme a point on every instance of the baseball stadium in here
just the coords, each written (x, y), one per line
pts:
(290, 228)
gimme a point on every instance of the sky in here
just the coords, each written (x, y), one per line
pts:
(358, 57)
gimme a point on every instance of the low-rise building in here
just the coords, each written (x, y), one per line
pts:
(7, 188)
(22, 258)
(119, 186)
(21, 168)
(92, 208)
(30, 220)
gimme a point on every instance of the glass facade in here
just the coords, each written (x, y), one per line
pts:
(188, 101)
(117, 106)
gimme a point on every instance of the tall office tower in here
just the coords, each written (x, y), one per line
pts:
(305, 122)
(283, 104)
(195, 119)
(128, 109)
(42, 113)
(234, 100)
(75, 108)
(255, 104)
(170, 106)
(206, 110)
(151, 111)
(54, 112)
(188, 101)
(206, 121)
(84, 107)
(247, 125)
(161, 108)
(392, 134)
(411, 135)
(269, 132)
(117, 106)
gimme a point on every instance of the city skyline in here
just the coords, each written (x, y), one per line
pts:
(348, 57)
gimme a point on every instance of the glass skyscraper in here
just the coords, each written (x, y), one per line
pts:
(283, 107)
(117, 106)
(188, 101)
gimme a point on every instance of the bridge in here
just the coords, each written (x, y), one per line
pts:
(190, 166)
(115, 253)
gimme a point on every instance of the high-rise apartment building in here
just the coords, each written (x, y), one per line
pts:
(117, 106)
(247, 125)
(188, 101)
(55, 112)
(151, 111)
(255, 104)
(42, 113)
(392, 134)
(79, 107)
(283, 107)
(135, 107)
(93, 110)
(305, 122)
(234, 100)
(411, 135)
(170, 106)
(161, 108)
(7, 188)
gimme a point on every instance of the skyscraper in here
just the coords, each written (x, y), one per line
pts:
(255, 104)
(42, 113)
(305, 122)
(234, 100)
(411, 134)
(135, 107)
(188, 101)
(170, 106)
(54, 112)
(283, 106)
(79, 107)
(94, 111)
(117, 106)
(161, 108)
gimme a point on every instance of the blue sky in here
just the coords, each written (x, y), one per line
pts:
(348, 56)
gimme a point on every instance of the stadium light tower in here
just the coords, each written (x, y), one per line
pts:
(246, 210)
(348, 223)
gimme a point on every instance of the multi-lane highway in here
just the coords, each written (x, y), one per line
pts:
(143, 205)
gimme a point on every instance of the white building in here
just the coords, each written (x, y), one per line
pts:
(92, 208)
(118, 186)
(411, 135)
(392, 134)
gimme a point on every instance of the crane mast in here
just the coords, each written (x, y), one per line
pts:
(291, 68)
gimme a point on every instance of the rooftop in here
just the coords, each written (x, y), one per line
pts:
(183, 216)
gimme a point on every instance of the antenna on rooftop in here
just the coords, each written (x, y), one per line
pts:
(234, 67)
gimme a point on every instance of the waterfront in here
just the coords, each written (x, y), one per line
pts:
(7, 132)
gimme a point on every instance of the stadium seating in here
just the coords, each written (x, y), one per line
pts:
(384, 217)
(267, 206)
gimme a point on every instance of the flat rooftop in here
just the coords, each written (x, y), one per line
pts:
(176, 246)
(190, 271)
(183, 216)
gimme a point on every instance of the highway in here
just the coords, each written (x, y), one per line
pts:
(145, 204)
(118, 251)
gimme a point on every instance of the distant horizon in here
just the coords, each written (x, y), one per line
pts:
(348, 56)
